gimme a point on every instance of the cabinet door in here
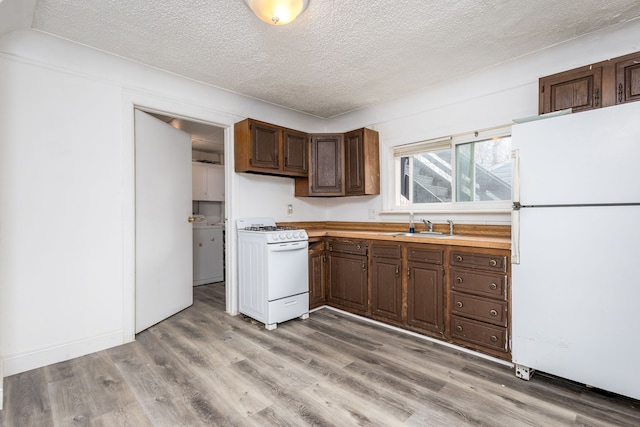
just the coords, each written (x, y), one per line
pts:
(215, 183)
(265, 146)
(425, 296)
(579, 89)
(199, 181)
(317, 294)
(628, 80)
(347, 281)
(354, 163)
(386, 288)
(295, 152)
(326, 165)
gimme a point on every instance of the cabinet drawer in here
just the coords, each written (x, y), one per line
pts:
(479, 333)
(385, 251)
(482, 309)
(476, 260)
(479, 283)
(347, 246)
(432, 256)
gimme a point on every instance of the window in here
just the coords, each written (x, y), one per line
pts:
(473, 168)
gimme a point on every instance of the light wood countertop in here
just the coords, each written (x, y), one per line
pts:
(455, 240)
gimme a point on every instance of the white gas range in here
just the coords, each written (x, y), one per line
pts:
(273, 271)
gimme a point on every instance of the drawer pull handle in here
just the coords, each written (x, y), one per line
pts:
(493, 312)
(493, 286)
(459, 328)
(459, 279)
(494, 338)
(358, 247)
(459, 258)
(493, 263)
(459, 304)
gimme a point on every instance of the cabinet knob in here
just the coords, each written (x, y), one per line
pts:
(459, 304)
(493, 286)
(459, 279)
(493, 312)
(358, 247)
(494, 338)
(200, 244)
(459, 258)
(493, 263)
(364, 266)
(459, 328)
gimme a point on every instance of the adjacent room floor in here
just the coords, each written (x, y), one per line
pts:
(203, 367)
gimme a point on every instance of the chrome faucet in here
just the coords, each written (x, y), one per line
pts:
(429, 225)
(450, 227)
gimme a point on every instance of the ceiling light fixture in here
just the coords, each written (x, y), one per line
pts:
(277, 12)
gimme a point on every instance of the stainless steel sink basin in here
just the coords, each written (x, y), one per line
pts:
(420, 234)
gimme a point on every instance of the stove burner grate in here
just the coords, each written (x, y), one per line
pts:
(266, 228)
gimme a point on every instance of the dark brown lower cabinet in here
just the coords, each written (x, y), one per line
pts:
(386, 282)
(479, 300)
(317, 274)
(406, 285)
(425, 289)
(347, 275)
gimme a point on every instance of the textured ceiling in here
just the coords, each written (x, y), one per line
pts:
(337, 56)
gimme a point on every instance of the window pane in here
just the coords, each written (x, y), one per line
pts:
(484, 170)
(431, 176)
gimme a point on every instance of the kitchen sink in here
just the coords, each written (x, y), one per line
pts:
(419, 234)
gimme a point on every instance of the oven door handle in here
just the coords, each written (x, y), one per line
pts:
(289, 246)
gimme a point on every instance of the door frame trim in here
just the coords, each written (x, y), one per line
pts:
(131, 100)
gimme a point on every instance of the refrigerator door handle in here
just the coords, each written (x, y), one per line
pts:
(515, 236)
(515, 184)
(515, 213)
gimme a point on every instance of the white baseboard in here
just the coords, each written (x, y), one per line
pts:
(17, 363)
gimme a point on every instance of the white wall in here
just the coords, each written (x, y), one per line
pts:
(66, 190)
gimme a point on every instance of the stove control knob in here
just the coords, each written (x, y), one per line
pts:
(296, 235)
(274, 237)
(283, 236)
(288, 235)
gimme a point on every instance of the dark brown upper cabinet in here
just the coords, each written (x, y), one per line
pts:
(264, 148)
(325, 167)
(295, 151)
(628, 79)
(362, 163)
(342, 165)
(579, 89)
(602, 84)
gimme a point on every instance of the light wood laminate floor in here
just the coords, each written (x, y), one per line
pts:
(203, 367)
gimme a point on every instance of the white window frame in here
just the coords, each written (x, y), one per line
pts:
(434, 144)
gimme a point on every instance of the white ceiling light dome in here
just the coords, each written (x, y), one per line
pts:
(277, 12)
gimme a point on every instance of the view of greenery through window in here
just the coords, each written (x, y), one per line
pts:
(482, 173)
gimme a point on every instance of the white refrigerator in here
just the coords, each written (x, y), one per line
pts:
(576, 247)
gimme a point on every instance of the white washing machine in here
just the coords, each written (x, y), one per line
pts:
(208, 252)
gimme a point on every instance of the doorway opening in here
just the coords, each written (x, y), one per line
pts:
(205, 144)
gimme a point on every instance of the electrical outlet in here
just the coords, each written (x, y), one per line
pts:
(372, 214)
(289, 209)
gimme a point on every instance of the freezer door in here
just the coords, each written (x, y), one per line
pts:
(575, 295)
(590, 157)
